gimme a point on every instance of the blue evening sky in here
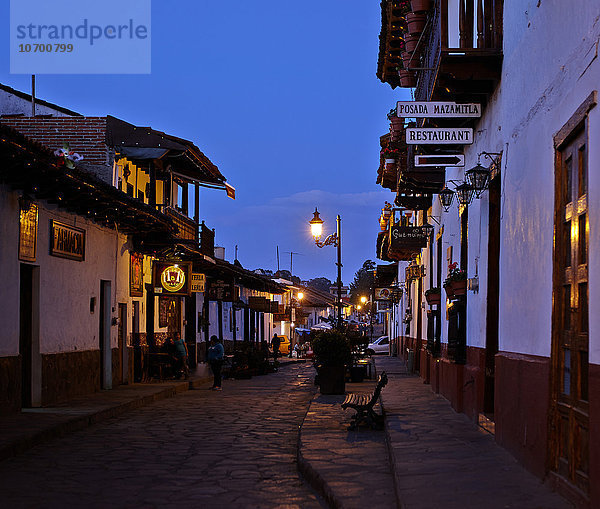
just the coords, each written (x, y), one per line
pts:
(282, 96)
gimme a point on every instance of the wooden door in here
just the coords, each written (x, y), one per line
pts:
(569, 433)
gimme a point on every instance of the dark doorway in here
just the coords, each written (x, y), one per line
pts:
(493, 296)
(122, 339)
(104, 336)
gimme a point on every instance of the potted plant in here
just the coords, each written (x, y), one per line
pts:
(456, 282)
(407, 78)
(416, 22)
(420, 5)
(390, 155)
(434, 296)
(332, 354)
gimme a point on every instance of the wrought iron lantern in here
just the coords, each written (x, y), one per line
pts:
(446, 197)
(464, 193)
(478, 177)
(316, 225)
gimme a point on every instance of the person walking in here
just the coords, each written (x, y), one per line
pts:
(275, 342)
(181, 353)
(216, 354)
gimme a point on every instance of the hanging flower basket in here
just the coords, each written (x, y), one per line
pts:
(449, 290)
(459, 287)
(407, 79)
(420, 5)
(434, 297)
(416, 22)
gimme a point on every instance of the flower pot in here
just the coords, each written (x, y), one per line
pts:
(390, 166)
(332, 379)
(420, 5)
(411, 41)
(449, 290)
(397, 123)
(459, 287)
(389, 160)
(407, 79)
(408, 61)
(434, 299)
(416, 22)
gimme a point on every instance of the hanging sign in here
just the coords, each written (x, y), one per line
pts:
(171, 278)
(439, 136)
(440, 160)
(425, 109)
(136, 275)
(198, 282)
(383, 294)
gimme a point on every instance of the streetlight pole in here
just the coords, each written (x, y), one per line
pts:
(335, 239)
(339, 271)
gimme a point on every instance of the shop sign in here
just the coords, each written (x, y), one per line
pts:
(171, 278)
(427, 109)
(261, 304)
(439, 136)
(136, 275)
(221, 290)
(408, 235)
(383, 294)
(28, 226)
(67, 241)
(198, 282)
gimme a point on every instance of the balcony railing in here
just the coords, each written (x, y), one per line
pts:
(187, 228)
(460, 32)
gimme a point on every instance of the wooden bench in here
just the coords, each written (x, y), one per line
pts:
(364, 403)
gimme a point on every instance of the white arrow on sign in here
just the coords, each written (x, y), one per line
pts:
(440, 160)
(439, 136)
(425, 109)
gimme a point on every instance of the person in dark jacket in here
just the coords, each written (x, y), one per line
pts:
(216, 355)
(275, 342)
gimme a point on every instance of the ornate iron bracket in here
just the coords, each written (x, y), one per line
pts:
(330, 240)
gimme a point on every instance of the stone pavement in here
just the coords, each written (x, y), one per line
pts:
(232, 448)
(442, 460)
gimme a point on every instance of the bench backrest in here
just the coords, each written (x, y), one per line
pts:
(381, 383)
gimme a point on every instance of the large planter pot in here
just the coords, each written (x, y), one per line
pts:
(332, 379)
(434, 299)
(358, 373)
(410, 42)
(420, 5)
(397, 123)
(459, 287)
(407, 79)
(416, 22)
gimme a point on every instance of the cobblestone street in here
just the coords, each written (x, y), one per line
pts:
(235, 448)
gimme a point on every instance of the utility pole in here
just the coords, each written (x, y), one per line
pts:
(292, 253)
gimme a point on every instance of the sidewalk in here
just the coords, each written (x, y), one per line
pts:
(23, 430)
(441, 459)
(428, 457)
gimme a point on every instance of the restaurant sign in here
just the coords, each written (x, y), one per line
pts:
(67, 241)
(172, 278)
(439, 136)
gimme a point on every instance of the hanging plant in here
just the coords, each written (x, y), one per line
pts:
(67, 157)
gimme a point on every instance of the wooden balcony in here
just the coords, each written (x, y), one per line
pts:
(187, 229)
(461, 51)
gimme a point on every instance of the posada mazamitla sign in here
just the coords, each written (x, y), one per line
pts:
(426, 109)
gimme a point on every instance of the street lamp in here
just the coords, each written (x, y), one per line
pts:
(335, 239)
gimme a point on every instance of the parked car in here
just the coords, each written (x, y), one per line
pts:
(284, 346)
(380, 345)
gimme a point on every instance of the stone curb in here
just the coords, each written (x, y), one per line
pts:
(310, 475)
